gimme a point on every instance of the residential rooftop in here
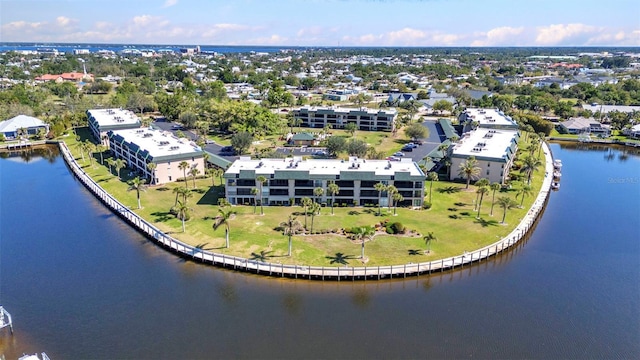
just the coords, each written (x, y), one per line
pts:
(490, 144)
(158, 143)
(325, 166)
(490, 117)
(113, 117)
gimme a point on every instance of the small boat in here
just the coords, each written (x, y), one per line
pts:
(557, 164)
(43, 356)
(555, 185)
(557, 174)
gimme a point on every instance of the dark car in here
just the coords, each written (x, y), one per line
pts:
(228, 150)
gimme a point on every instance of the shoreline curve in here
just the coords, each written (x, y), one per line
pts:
(315, 272)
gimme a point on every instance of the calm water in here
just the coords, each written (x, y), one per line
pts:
(81, 284)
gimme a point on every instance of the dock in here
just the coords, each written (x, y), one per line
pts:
(5, 319)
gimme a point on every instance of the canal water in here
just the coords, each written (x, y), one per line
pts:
(81, 284)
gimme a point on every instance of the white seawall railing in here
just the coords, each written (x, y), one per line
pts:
(315, 272)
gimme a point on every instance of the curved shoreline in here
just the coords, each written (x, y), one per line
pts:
(315, 272)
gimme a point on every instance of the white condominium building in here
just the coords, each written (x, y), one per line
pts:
(139, 147)
(494, 149)
(337, 118)
(291, 179)
(486, 118)
(101, 121)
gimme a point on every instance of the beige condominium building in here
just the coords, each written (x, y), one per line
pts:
(291, 179)
(486, 118)
(337, 118)
(101, 121)
(139, 147)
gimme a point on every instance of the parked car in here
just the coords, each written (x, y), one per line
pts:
(407, 148)
(399, 153)
(176, 127)
(209, 141)
(393, 158)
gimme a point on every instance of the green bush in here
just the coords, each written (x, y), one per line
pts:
(397, 228)
(426, 205)
(389, 230)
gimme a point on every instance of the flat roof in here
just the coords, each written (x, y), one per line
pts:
(346, 110)
(490, 117)
(490, 144)
(114, 117)
(158, 143)
(325, 166)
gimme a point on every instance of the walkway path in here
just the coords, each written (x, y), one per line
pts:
(314, 272)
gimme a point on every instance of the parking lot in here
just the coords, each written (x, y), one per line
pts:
(436, 137)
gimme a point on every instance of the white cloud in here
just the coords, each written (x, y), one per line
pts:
(564, 34)
(504, 35)
(405, 37)
(169, 3)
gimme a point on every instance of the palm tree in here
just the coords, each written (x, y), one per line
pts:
(428, 239)
(317, 193)
(223, 220)
(505, 203)
(255, 193)
(211, 172)
(110, 162)
(494, 187)
(380, 187)
(176, 190)
(447, 163)
(138, 185)
(391, 190)
(469, 169)
(481, 191)
(291, 227)
(333, 189)
(397, 197)
(306, 202)
(261, 180)
(315, 210)
(194, 172)
(524, 191)
(443, 148)
(100, 149)
(119, 164)
(183, 166)
(152, 169)
(529, 165)
(362, 233)
(480, 183)
(432, 176)
(81, 146)
(182, 212)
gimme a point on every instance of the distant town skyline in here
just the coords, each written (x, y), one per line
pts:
(324, 22)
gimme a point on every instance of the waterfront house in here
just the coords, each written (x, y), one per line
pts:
(22, 125)
(291, 179)
(582, 125)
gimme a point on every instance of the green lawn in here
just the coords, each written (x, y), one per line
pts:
(452, 219)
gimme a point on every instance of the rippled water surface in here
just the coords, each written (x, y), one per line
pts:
(82, 284)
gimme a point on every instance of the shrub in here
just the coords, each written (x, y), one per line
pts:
(389, 230)
(397, 228)
(426, 205)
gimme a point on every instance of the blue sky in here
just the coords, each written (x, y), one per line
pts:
(325, 22)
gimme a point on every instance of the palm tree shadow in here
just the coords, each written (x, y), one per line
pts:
(340, 258)
(162, 216)
(369, 211)
(262, 256)
(449, 190)
(201, 247)
(354, 212)
(486, 223)
(415, 252)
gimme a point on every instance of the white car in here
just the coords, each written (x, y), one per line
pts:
(399, 153)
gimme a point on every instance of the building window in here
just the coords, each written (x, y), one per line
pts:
(169, 178)
(488, 164)
(487, 172)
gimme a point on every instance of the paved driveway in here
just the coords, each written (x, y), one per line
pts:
(163, 124)
(436, 137)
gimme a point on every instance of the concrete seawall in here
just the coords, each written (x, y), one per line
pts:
(315, 272)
